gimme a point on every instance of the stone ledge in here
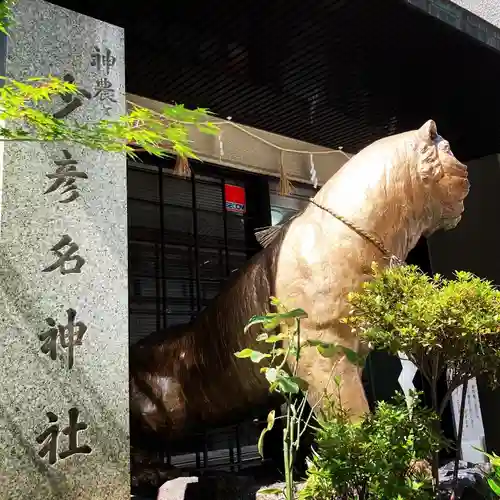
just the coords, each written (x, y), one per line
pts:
(472, 486)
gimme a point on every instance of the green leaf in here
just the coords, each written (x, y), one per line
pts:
(260, 442)
(255, 320)
(245, 353)
(270, 419)
(255, 356)
(274, 301)
(328, 350)
(314, 343)
(338, 380)
(276, 338)
(294, 351)
(494, 486)
(272, 320)
(294, 313)
(262, 336)
(287, 385)
(269, 426)
(353, 356)
(273, 386)
(272, 323)
(270, 491)
(494, 458)
(303, 384)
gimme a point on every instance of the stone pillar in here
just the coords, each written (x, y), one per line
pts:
(63, 275)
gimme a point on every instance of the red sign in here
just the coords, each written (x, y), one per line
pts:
(235, 199)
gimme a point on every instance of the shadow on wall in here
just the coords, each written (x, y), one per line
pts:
(474, 246)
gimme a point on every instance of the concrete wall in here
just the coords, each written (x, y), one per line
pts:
(489, 10)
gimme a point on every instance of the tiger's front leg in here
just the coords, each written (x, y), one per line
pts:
(332, 378)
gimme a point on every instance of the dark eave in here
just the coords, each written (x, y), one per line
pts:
(334, 73)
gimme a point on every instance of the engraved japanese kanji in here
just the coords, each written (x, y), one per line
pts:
(72, 101)
(65, 176)
(69, 336)
(102, 59)
(50, 437)
(65, 257)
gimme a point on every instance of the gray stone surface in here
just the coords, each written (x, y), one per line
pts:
(51, 40)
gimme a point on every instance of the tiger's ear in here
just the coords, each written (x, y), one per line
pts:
(428, 131)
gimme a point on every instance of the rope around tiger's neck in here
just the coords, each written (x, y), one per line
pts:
(374, 240)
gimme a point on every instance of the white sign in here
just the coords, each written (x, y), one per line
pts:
(473, 429)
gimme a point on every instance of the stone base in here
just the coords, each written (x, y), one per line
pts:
(217, 488)
(472, 484)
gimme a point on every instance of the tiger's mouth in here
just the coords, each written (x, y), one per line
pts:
(462, 170)
(456, 169)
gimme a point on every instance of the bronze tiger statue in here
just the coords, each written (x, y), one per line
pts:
(374, 209)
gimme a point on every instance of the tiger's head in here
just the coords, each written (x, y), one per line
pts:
(444, 177)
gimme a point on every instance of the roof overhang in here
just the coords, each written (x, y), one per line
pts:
(330, 72)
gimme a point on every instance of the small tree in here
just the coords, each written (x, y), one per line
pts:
(437, 323)
(6, 17)
(282, 342)
(22, 108)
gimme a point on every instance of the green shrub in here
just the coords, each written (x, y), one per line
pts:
(376, 458)
(442, 325)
